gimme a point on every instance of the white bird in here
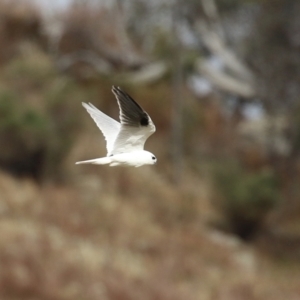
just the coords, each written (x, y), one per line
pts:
(124, 141)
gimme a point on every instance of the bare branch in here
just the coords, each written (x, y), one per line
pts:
(224, 81)
(147, 74)
(68, 60)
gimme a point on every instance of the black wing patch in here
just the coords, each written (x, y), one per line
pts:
(131, 113)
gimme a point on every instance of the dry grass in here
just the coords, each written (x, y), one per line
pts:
(104, 239)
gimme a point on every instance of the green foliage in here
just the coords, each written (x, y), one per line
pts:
(62, 105)
(8, 116)
(38, 114)
(33, 66)
(246, 196)
(15, 117)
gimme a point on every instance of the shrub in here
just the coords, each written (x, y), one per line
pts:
(245, 197)
(38, 117)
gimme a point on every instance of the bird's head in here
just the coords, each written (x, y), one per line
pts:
(150, 159)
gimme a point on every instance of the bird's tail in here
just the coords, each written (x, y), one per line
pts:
(96, 161)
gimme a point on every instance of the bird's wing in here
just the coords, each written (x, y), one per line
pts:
(136, 124)
(109, 127)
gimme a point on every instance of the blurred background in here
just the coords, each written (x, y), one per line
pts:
(218, 217)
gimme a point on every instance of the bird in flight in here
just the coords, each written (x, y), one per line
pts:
(125, 140)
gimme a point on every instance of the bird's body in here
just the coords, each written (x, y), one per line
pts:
(124, 141)
(135, 159)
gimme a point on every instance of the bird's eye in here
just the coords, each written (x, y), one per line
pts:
(153, 157)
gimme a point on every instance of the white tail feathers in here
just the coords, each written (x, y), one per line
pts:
(96, 161)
